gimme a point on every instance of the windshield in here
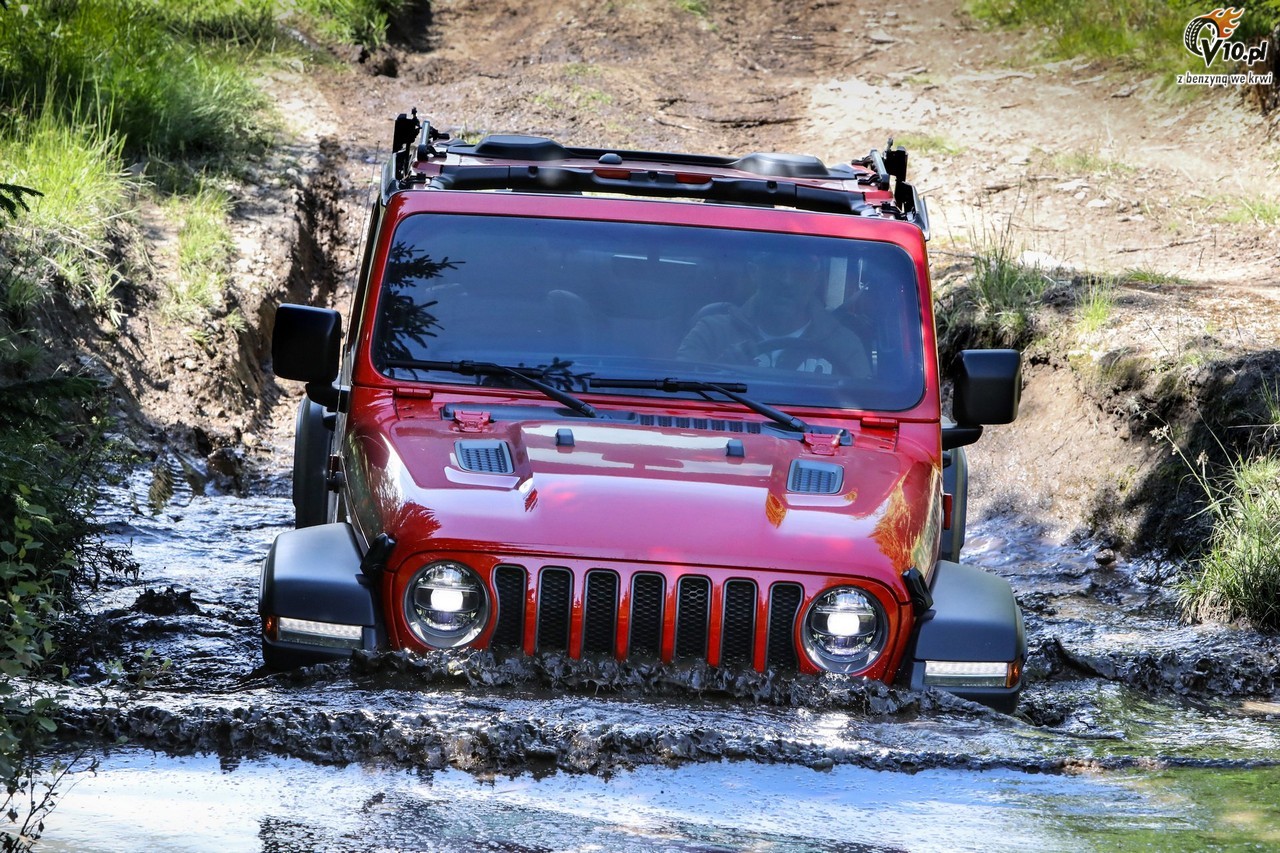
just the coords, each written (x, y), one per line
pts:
(800, 320)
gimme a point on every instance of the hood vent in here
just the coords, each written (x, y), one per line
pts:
(815, 478)
(484, 457)
(709, 424)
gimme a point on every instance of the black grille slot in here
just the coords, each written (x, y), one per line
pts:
(555, 589)
(510, 585)
(815, 478)
(784, 602)
(600, 616)
(484, 457)
(646, 615)
(707, 424)
(737, 643)
(692, 615)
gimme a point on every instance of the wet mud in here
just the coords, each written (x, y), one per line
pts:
(1114, 680)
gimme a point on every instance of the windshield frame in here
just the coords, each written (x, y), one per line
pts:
(695, 222)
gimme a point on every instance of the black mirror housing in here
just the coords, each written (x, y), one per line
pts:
(306, 344)
(987, 386)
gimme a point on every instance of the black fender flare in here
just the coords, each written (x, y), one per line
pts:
(974, 617)
(314, 574)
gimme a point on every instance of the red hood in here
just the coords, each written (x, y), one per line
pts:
(625, 492)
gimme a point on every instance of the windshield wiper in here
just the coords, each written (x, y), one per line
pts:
(489, 368)
(728, 389)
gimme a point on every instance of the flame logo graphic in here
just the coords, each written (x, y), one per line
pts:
(1224, 21)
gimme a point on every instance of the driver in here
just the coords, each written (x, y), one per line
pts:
(782, 324)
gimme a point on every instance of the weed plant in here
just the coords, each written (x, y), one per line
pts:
(60, 239)
(1238, 577)
(121, 59)
(1096, 303)
(995, 306)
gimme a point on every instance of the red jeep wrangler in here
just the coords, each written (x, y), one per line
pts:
(640, 405)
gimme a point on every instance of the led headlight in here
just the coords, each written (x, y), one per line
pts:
(844, 630)
(445, 604)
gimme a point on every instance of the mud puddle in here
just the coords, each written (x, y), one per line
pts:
(1125, 706)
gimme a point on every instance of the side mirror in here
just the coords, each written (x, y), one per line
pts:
(306, 346)
(987, 387)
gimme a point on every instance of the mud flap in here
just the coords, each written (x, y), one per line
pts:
(974, 618)
(312, 576)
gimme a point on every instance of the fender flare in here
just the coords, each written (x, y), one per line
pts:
(314, 574)
(974, 617)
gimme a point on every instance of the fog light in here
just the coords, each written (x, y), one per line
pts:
(949, 673)
(843, 630)
(445, 604)
(328, 634)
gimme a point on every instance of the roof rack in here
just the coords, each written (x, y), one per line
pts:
(539, 164)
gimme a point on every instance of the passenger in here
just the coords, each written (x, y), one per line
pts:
(782, 324)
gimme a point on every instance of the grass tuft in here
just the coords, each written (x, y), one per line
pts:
(995, 305)
(121, 59)
(1097, 301)
(927, 143)
(362, 22)
(1257, 211)
(62, 235)
(1147, 275)
(1238, 578)
(1144, 35)
(205, 248)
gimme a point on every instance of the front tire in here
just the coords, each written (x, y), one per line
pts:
(311, 442)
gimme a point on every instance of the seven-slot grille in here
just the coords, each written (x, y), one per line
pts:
(639, 602)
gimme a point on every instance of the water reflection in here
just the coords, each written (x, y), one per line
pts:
(139, 801)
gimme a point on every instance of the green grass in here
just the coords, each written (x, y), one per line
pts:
(1147, 275)
(927, 143)
(1238, 578)
(995, 305)
(61, 240)
(204, 253)
(161, 93)
(362, 22)
(1087, 163)
(1143, 35)
(697, 8)
(1096, 304)
(1259, 211)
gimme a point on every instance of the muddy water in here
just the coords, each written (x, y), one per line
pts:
(1135, 731)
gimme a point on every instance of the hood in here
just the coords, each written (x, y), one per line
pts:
(602, 491)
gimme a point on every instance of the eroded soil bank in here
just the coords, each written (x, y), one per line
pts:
(1119, 685)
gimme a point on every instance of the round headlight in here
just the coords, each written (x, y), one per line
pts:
(844, 630)
(445, 604)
